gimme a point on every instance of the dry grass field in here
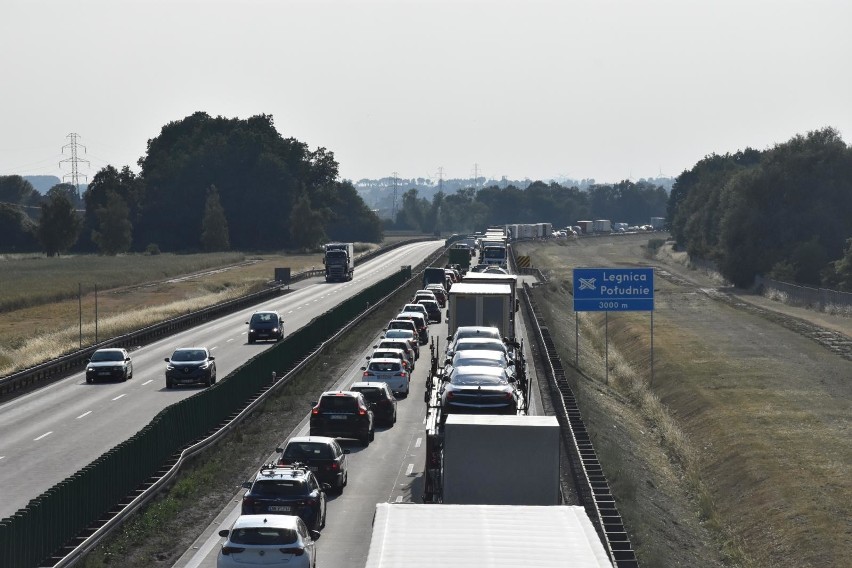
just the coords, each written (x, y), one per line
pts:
(740, 451)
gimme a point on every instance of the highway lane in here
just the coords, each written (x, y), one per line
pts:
(51, 433)
(389, 470)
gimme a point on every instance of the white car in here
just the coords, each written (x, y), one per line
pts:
(268, 540)
(388, 371)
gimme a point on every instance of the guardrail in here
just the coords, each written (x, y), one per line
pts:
(591, 484)
(43, 374)
(60, 526)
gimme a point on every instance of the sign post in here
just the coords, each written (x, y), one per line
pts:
(615, 290)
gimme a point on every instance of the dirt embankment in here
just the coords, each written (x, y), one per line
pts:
(740, 452)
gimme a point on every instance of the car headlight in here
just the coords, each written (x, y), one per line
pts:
(274, 330)
(204, 365)
(90, 370)
(251, 330)
(170, 367)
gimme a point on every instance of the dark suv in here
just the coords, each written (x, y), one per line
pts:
(323, 456)
(343, 414)
(190, 365)
(288, 490)
(265, 325)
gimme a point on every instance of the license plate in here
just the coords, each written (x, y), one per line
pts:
(279, 509)
(313, 468)
(103, 372)
(337, 417)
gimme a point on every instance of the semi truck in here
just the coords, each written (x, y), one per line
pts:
(411, 535)
(474, 303)
(459, 254)
(601, 226)
(339, 261)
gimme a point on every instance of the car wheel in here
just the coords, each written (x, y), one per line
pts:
(372, 434)
(251, 340)
(169, 384)
(365, 440)
(90, 380)
(338, 487)
(131, 373)
(394, 417)
(322, 526)
(346, 478)
(124, 377)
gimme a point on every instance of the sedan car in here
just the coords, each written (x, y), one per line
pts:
(399, 343)
(482, 358)
(268, 540)
(323, 456)
(420, 321)
(440, 294)
(433, 309)
(113, 363)
(288, 490)
(479, 343)
(190, 366)
(265, 325)
(381, 400)
(465, 331)
(410, 325)
(479, 390)
(388, 353)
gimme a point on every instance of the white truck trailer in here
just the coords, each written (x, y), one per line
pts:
(601, 226)
(409, 535)
(490, 305)
(474, 461)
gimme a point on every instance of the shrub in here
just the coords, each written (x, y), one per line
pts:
(153, 249)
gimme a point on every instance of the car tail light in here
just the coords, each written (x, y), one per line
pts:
(451, 394)
(368, 374)
(362, 412)
(335, 466)
(401, 374)
(226, 550)
(315, 410)
(293, 551)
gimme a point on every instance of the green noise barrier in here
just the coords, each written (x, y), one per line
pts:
(67, 512)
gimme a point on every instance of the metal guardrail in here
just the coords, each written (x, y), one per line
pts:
(43, 374)
(591, 484)
(89, 538)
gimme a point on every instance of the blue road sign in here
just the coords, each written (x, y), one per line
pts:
(613, 289)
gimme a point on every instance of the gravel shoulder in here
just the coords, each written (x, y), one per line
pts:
(739, 453)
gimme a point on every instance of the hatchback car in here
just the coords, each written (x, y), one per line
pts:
(387, 353)
(343, 414)
(433, 309)
(268, 540)
(288, 490)
(265, 325)
(390, 372)
(381, 400)
(409, 325)
(420, 323)
(323, 456)
(417, 308)
(112, 363)
(190, 366)
(424, 295)
(479, 390)
(399, 343)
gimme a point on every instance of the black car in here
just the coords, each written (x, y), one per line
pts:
(343, 414)
(323, 456)
(289, 490)
(381, 400)
(265, 325)
(114, 364)
(432, 308)
(190, 366)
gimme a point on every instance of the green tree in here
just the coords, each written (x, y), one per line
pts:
(16, 190)
(59, 225)
(839, 273)
(306, 224)
(115, 231)
(110, 181)
(17, 230)
(214, 225)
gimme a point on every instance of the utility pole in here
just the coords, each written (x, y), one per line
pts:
(74, 175)
(476, 176)
(441, 179)
(393, 211)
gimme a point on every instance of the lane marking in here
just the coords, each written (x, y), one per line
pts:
(399, 499)
(148, 382)
(43, 436)
(120, 396)
(290, 312)
(230, 340)
(1, 457)
(214, 347)
(409, 469)
(418, 442)
(84, 414)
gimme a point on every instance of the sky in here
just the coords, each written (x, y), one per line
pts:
(603, 89)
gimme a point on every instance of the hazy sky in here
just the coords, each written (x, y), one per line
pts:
(587, 89)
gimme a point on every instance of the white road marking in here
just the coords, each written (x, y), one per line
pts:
(399, 499)
(214, 347)
(43, 436)
(409, 469)
(147, 382)
(418, 442)
(120, 396)
(230, 340)
(290, 312)
(1, 457)
(299, 308)
(85, 414)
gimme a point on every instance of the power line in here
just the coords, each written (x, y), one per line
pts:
(393, 210)
(74, 175)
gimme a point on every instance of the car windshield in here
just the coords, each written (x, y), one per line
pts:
(307, 450)
(384, 367)
(395, 345)
(400, 334)
(98, 356)
(485, 346)
(263, 535)
(278, 487)
(372, 394)
(460, 360)
(189, 355)
(401, 324)
(338, 403)
(264, 318)
(464, 379)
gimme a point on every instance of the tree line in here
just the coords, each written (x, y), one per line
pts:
(469, 209)
(782, 212)
(205, 184)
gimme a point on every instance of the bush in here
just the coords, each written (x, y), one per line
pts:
(153, 249)
(655, 244)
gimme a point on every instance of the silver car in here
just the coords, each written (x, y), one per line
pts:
(479, 390)
(390, 372)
